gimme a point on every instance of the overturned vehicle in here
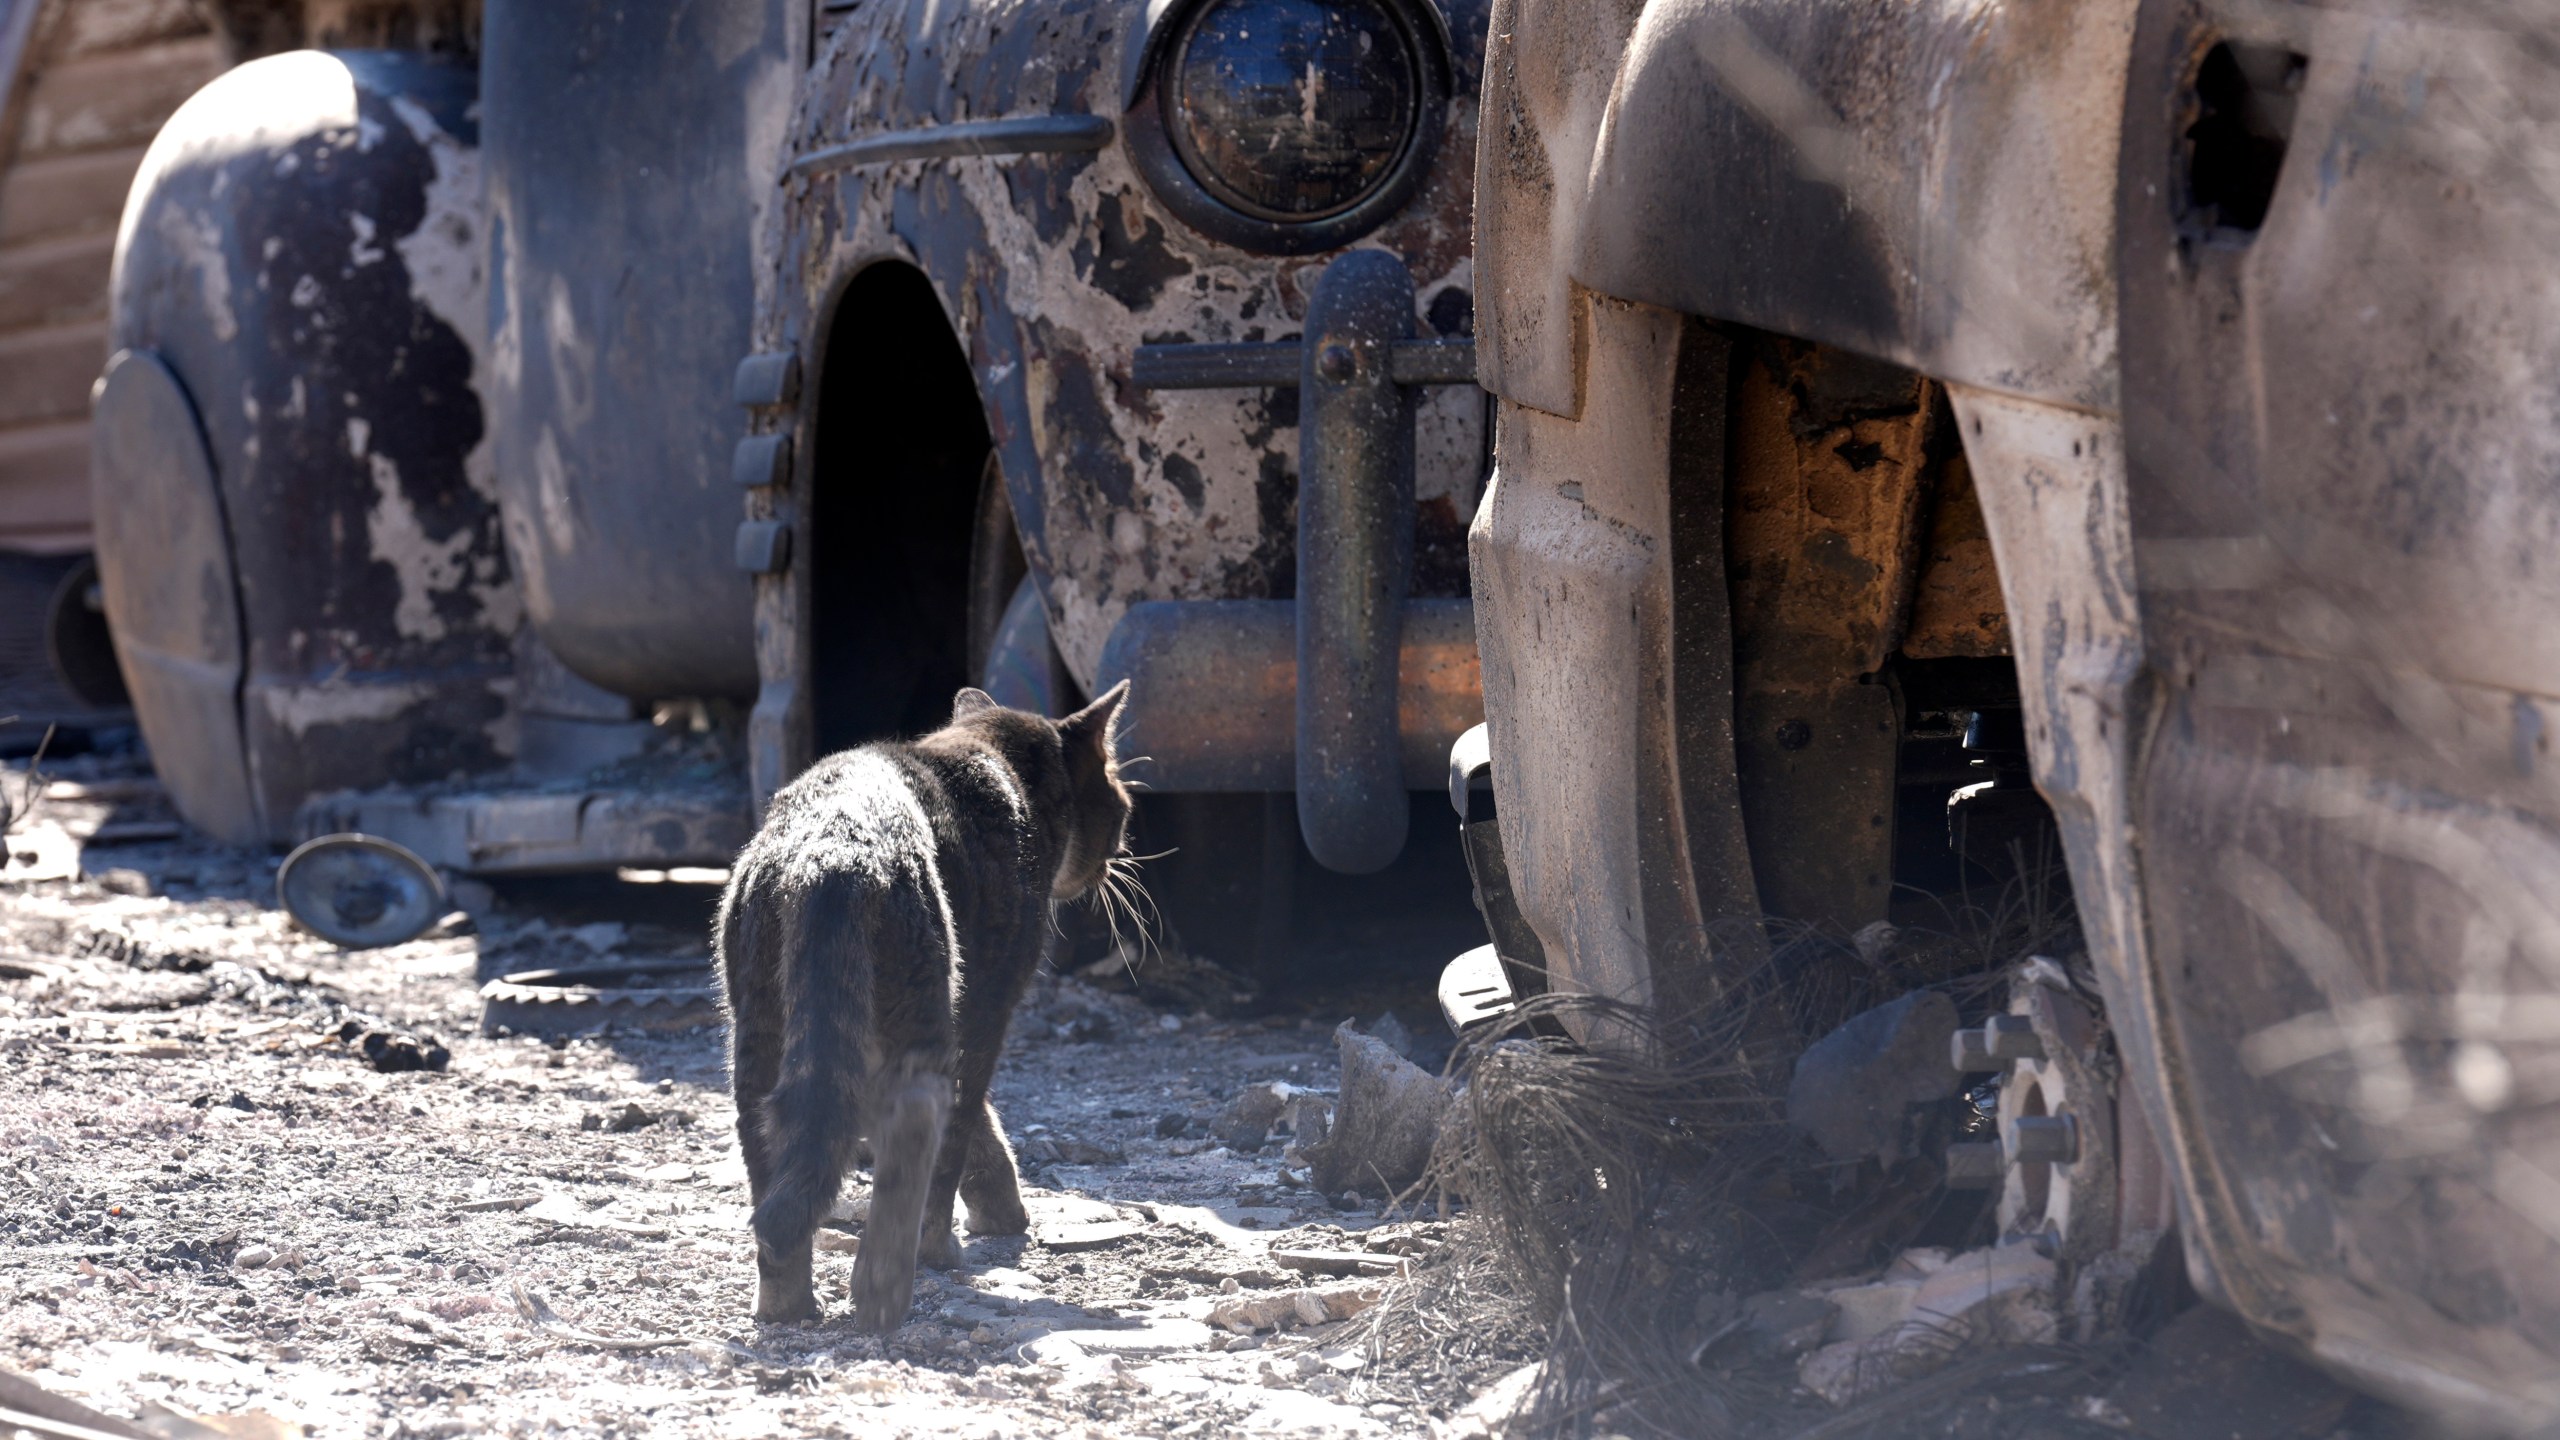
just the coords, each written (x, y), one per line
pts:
(530, 447)
(2141, 405)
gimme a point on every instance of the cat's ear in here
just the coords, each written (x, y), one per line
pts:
(969, 702)
(1098, 722)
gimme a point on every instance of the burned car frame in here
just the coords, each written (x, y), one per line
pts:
(2158, 388)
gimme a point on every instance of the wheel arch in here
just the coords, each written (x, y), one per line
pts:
(891, 430)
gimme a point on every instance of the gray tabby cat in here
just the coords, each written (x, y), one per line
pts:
(875, 938)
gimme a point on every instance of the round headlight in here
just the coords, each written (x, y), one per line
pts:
(1293, 111)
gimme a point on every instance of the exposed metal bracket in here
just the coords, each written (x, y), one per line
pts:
(1473, 987)
(971, 139)
(1353, 371)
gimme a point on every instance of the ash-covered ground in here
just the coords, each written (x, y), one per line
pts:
(253, 1185)
(218, 1203)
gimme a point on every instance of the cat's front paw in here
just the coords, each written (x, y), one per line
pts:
(939, 1248)
(996, 1210)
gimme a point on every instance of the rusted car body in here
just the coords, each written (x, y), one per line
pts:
(1000, 251)
(440, 506)
(2236, 322)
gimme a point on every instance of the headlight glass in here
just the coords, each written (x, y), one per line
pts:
(1293, 110)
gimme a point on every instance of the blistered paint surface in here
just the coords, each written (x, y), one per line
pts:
(1054, 269)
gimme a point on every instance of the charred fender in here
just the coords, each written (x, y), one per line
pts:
(1928, 184)
(2339, 439)
(300, 253)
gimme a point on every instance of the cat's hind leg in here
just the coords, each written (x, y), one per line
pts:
(905, 1121)
(749, 952)
(979, 1165)
(809, 1125)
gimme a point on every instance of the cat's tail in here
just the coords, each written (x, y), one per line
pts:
(811, 1120)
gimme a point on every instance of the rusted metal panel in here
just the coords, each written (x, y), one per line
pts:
(1957, 610)
(1213, 692)
(1831, 470)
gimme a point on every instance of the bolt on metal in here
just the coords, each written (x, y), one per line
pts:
(2001, 1040)
(2044, 1139)
(1975, 1165)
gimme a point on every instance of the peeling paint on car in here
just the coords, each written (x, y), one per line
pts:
(197, 239)
(1055, 268)
(354, 474)
(297, 711)
(426, 566)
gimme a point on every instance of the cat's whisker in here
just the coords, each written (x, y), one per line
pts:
(1129, 893)
(1141, 906)
(1126, 866)
(1107, 898)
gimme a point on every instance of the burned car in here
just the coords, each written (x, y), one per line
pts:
(1102, 341)
(334, 425)
(2146, 399)
(432, 513)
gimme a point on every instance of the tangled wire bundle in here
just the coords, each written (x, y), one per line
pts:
(1613, 1184)
(1635, 1186)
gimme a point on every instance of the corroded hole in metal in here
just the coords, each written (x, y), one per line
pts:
(2240, 113)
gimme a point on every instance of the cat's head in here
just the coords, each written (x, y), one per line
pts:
(1102, 804)
(1097, 801)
